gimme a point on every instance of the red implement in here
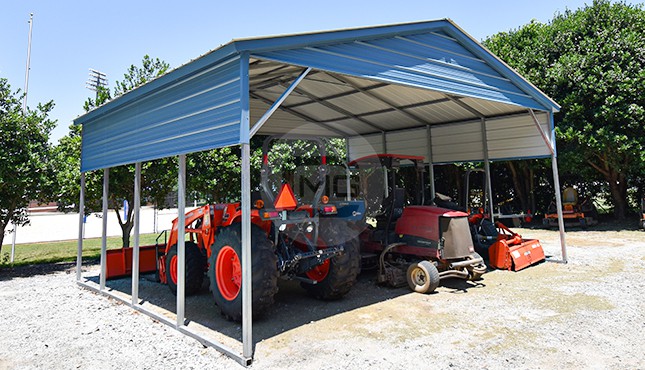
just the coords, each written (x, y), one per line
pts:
(119, 261)
(511, 252)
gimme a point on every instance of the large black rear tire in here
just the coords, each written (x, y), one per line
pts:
(195, 267)
(224, 271)
(339, 275)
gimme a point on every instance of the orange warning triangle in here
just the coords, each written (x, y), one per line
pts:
(285, 201)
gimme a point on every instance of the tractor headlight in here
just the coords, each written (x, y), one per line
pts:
(309, 228)
(282, 227)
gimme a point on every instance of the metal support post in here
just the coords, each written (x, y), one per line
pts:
(556, 177)
(135, 251)
(556, 185)
(181, 242)
(106, 182)
(489, 187)
(558, 200)
(81, 226)
(430, 163)
(154, 219)
(348, 185)
(247, 307)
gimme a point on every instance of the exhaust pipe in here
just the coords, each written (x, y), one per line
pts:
(463, 274)
(468, 262)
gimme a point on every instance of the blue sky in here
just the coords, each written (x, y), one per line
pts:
(69, 37)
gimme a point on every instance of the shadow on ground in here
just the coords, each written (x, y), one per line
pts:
(8, 272)
(292, 308)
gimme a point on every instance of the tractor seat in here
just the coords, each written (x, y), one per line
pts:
(570, 196)
(393, 205)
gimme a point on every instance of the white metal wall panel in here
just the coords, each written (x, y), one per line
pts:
(457, 142)
(517, 137)
(361, 146)
(196, 113)
(513, 137)
(411, 142)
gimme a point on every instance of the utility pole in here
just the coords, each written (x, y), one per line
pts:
(24, 113)
(24, 100)
(96, 81)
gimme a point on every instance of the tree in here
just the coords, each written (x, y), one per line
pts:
(158, 177)
(591, 61)
(26, 171)
(215, 174)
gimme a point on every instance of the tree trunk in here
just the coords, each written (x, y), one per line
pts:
(2, 227)
(126, 226)
(618, 188)
(125, 237)
(532, 189)
(617, 185)
(520, 185)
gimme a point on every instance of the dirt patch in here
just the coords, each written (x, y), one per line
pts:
(586, 313)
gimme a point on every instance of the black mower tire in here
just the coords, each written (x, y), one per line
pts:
(264, 271)
(195, 267)
(343, 268)
(423, 277)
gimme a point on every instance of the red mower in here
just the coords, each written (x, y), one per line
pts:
(409, 241)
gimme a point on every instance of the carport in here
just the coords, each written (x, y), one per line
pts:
(424, 88)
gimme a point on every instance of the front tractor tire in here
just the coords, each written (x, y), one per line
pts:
(195, 266)
(337, 275)
(423, 277)
(225, 271)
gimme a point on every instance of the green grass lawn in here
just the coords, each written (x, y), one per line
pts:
(64, 251)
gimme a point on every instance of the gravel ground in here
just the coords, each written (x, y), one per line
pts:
(585, 314)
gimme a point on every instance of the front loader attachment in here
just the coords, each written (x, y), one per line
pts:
(119, 261)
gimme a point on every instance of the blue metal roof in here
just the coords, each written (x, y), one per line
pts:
(205, 103)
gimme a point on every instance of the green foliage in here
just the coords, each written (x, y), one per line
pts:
(158, 177)
(137, 76)
(215, 174)
(592, 61)
(26, 172)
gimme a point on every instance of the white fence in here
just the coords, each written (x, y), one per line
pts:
(44, 227)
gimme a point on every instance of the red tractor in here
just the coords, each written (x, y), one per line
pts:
(412, 242)
(291, 239)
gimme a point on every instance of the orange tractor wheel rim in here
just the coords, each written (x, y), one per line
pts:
(173, 269)
(319, 273)
(228, 273)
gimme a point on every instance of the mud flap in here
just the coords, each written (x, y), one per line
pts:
(504, 255)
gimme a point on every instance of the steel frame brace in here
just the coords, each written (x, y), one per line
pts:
(278, 102)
